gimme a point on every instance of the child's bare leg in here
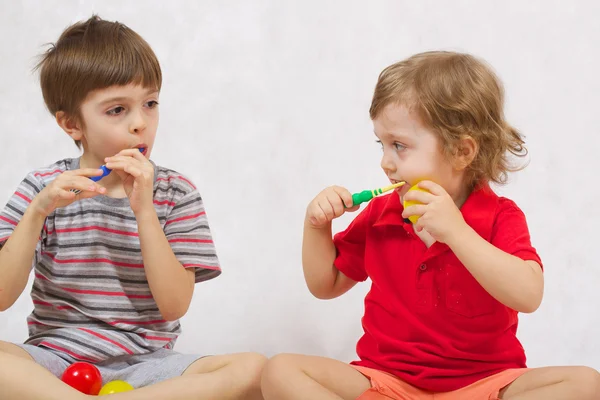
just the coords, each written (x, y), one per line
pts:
(292, 376)
(554, 383)
(22, 378)
(234, 376)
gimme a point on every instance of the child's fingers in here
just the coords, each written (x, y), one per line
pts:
(336, 204)
(84, 172)
(316, 215)
(326, 208)
(345, 195)
(419, 196)
(417, 209)
(81, 184)
(133, 170)
(353, 208)
(63, 194)
(432, 187)
(120, 165)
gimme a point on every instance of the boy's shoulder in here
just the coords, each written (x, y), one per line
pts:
(42, 176)
(169, 180)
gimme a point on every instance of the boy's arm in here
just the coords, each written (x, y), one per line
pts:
(171, 284)
(171, 281)
(23, 219)
(331, 268)
(323, 279)
(516, 283)
(16, 257)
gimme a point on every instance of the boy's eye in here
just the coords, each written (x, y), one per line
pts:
(379, 143)
(115, 111)
(152, 103)
(399, 146)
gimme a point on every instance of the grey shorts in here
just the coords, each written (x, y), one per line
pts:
(137, 370)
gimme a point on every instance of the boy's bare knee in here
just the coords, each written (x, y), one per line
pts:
(249, 368)
(276, 369)
(587, 380)
(13, 349)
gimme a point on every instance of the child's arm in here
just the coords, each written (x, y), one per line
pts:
(514, 282)
(16, 254)
(323, 279)
(16, 257)
(171, 284)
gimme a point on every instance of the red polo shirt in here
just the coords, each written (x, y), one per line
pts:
(427, 320)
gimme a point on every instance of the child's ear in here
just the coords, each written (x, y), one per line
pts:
(70, 125)
(466, 150)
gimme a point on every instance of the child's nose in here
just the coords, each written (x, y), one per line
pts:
(138, 124)
(387, 164)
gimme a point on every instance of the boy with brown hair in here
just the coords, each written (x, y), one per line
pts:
(441, 316)
(116, 260)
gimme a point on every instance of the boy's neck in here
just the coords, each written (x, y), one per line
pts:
(461, 195)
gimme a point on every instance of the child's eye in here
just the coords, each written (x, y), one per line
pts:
(399, 146)
(116, 111)
(152, 104)
(379, 143)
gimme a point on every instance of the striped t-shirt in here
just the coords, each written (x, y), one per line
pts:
(91, 298)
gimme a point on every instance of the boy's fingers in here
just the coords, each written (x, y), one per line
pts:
(345, 195)
(85, 172)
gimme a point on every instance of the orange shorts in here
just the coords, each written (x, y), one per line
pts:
(386, 386)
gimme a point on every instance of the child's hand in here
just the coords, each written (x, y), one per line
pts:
(329, 204)
(58, 193)
(438, 214)
(137, 174)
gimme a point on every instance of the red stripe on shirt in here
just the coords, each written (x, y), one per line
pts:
(162, 203)
(91, 260)
(186, 217)
(103, 293)
(106, 339)
(94, 227)
(10, 221)
(177, 177)
(158, 321)
(182, 240)
(40, 276)
(56, 171)
(201, 266)
(42, 303)
(163, 339)
(72, 354)
(98, 292)
(21, 195)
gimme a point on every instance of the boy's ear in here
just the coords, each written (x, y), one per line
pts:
(70, 125)
(465, 152)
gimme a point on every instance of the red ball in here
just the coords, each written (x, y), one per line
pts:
(84, 377)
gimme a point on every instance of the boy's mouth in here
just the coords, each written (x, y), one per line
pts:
(142, 148)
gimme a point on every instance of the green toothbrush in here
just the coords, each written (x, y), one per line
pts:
(366, 195)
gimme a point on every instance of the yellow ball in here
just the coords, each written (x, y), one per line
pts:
(406, 204)
(115, 387)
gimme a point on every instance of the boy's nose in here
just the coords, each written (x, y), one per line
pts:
(138, 124)
(387, 164)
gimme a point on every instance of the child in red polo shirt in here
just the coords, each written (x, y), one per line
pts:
(440, 319)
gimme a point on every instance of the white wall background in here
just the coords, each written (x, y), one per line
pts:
(265, 103)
